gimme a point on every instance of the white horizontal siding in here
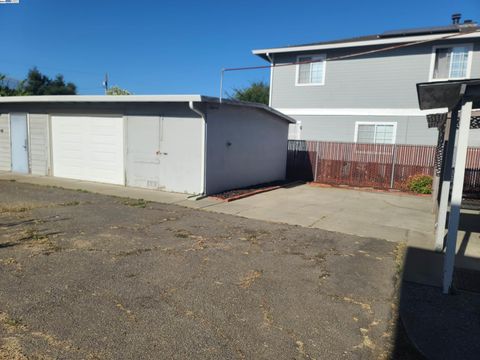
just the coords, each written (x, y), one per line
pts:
(5, 154)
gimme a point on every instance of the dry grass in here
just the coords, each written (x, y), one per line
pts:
(249, 278)
(138, 203)
(15, 208)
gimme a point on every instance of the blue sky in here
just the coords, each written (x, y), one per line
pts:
(179, 47)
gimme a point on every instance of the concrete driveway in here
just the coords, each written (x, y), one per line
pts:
(391, 216)
(88, 276)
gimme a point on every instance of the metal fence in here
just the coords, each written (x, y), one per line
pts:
(385, 166)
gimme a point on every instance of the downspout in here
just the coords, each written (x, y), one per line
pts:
(204, 145)
(272, 69)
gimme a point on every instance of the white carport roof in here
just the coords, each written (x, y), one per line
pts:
(137, 99)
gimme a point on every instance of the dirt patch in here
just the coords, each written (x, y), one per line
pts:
(241, 193)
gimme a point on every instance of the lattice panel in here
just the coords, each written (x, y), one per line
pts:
(438, 120)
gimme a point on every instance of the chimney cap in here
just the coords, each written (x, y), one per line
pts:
(456, 18)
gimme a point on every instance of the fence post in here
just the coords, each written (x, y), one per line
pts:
(394, 159)
(316, 162)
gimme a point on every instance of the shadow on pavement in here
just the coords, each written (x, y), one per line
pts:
(439, 326)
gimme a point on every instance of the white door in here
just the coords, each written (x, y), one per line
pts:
(88, 148)
(144, 151)
(19, 140)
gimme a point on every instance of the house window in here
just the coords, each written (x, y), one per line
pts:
(375, 133)
(451, 62)
(310, 70)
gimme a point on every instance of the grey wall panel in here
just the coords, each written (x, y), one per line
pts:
(410, 129)
(474, 138)
(5, 156)
(245, 147)
(382, 80)
(39, 144)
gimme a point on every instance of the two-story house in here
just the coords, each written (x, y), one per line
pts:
(364, 89)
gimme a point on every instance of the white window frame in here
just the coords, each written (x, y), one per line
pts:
(323, 57)
(394, 123)
(450, 46)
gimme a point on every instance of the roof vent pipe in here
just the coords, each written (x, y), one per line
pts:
(456, 18)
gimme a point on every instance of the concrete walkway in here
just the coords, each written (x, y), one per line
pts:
(393, 217)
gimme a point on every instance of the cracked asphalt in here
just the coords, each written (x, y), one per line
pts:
(88, 276)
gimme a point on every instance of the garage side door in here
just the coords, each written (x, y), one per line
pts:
(88, 148)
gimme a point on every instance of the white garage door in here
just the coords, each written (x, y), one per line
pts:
(88, 148)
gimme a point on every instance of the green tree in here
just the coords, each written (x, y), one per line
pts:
(116, 90)
(37, 83)
(6, 90)
(257, 92)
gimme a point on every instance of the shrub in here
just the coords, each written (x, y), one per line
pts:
(419, 183)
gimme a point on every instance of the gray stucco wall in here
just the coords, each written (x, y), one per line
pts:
(39, 144)
(258, 150)
(5, 157)
(383, 80)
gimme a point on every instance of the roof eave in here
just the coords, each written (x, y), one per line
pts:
(381, 41)
(98, 98)
(79, 99)
(251, 105)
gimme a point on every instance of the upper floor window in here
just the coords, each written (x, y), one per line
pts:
(451, 62)
(375, 132)
(310, 70)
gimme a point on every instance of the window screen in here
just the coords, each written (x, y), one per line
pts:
(451, 63)
(312, 71)
(376, 133)
(366, 134)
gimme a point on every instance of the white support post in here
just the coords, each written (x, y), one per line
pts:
(457, 193)
(450, 132)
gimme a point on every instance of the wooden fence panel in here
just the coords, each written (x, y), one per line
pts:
(472, 172)
(300, 159)
(383, 166)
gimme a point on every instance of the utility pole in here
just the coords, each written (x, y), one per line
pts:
(105, 83)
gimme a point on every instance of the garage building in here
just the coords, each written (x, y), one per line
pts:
(181, 143)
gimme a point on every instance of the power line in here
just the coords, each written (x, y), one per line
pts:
(341, 57)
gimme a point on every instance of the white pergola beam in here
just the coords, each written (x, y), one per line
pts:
(457, 193)
(450, 132)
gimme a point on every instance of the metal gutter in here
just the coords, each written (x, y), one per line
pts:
(271, 60)
(192, 107)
